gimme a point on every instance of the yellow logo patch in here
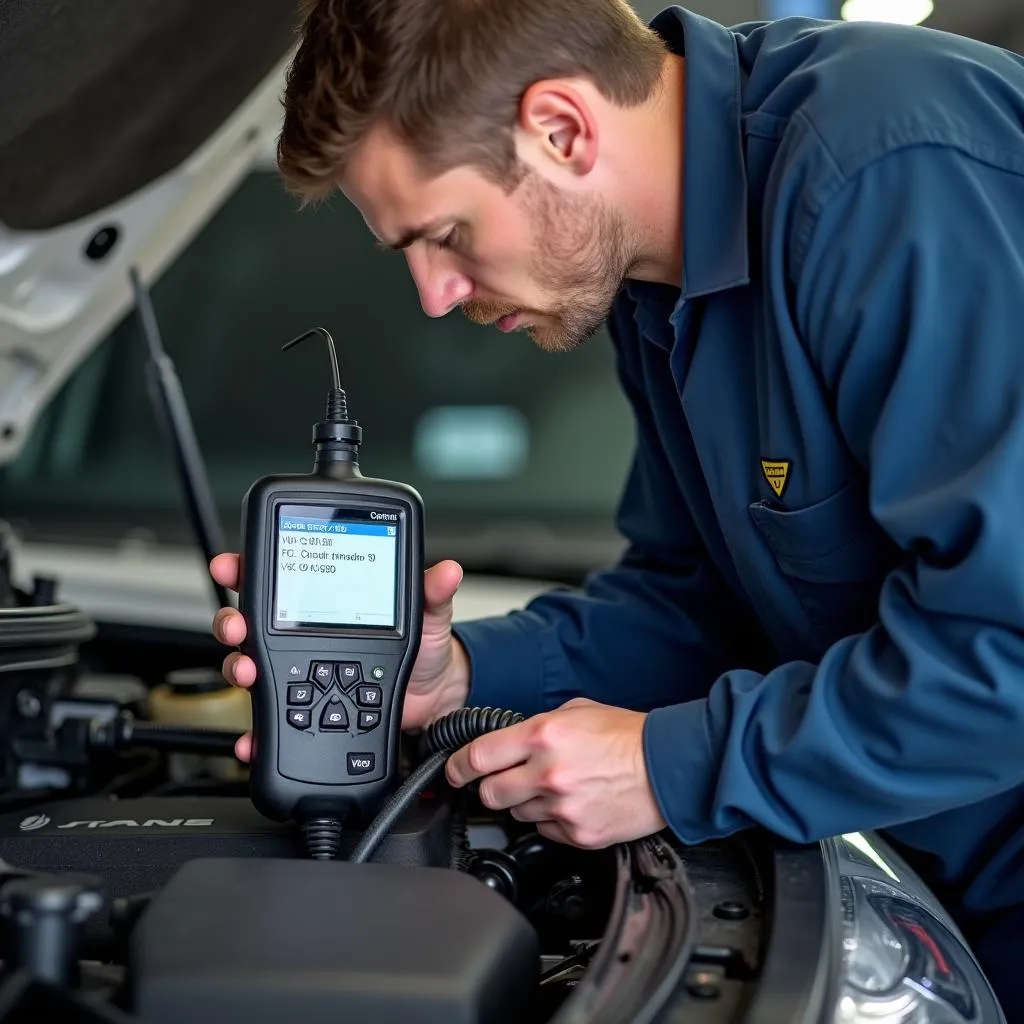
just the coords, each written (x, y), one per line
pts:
(777, 474)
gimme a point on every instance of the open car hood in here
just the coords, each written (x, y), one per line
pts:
(124, 126)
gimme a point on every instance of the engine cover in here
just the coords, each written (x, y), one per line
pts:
(263, 941)
(135, 846)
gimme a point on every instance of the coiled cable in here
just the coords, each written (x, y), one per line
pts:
(463, 726)
(442, 738)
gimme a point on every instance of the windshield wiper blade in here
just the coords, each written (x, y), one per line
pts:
(172, 414)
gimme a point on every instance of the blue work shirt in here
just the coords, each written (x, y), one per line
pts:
(822, 600)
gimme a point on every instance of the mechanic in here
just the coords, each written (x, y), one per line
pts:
(807, 240)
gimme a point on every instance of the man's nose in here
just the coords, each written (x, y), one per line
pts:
(441, 286)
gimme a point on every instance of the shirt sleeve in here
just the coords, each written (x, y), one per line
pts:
(910, 300)
(654, 629)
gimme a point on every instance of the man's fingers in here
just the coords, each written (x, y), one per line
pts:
(514, 788)
(224, 569)
(440, 583)
(554, 831)
(492, 753)
(243, 747)
(535, 810)
(229, 627)
(239, 670)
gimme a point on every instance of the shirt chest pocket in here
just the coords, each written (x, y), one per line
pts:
(833, 556)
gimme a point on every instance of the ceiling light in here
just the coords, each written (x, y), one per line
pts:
(896, 12)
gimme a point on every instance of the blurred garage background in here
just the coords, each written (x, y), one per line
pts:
(520, 456)
(995, 21)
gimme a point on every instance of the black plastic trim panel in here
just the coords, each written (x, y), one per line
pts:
(798, 971)
(646, 946)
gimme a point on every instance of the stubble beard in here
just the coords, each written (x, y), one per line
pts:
(583, 254)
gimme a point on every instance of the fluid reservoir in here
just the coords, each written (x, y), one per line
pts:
(201, 697)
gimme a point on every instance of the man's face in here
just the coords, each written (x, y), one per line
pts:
(536, 259)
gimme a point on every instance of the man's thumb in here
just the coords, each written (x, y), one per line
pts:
(440, 583)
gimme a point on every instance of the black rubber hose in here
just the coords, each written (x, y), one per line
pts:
(125, 732)
(444, 737)
(460, 857)
(183, 738)
(399, 801)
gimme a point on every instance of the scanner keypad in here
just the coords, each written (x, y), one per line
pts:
(333, 696)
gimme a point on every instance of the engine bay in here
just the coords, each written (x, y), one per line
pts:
(139, 882)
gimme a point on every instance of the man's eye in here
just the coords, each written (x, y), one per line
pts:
(448, 241)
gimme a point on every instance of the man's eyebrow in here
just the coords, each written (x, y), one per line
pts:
(412, 235)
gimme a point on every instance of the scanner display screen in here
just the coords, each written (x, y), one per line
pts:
(336, 568)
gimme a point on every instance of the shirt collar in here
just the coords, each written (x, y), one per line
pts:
(715, 252)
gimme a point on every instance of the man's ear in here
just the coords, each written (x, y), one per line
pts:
(557, 124)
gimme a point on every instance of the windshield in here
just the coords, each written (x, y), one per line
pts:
(519, 455)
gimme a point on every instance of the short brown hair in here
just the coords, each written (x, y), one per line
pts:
(447, 77)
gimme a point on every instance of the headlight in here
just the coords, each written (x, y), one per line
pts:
(903, 961)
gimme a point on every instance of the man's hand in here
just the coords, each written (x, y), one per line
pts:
(578, 772)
